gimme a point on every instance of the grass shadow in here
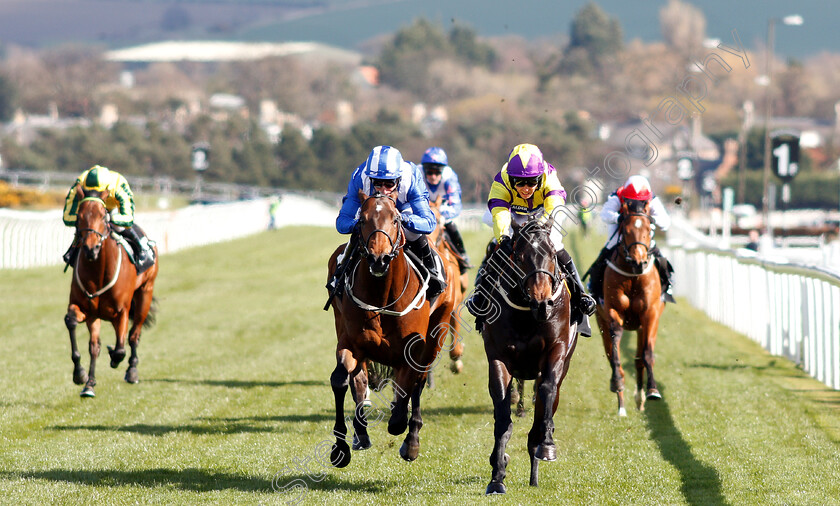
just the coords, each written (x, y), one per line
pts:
(160, 430)
(241, 383)
(312, 417)
(190, 479)
(700, 483)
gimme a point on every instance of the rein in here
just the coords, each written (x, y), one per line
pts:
(417, 303)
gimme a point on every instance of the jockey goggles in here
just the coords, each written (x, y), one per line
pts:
(432, 169)
(520, 182)
(388, 184)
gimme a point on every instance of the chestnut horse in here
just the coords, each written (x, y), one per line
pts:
(530, 337)
(454, 290)
(384, 316)
(632, 301)
(105, 286)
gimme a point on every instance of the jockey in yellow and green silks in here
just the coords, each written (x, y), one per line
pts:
(120, 205)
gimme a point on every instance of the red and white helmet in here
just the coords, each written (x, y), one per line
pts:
(636, 188)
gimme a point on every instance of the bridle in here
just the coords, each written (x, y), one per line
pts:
(396, 244)
(83, 232)
(529, 234)
(627, 247)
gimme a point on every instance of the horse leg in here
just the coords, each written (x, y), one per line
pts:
(121, 329)
(361, 440)
(457, 350)
(339, 380)
(410, 448)
(93, 347)
(142, 301)
(647, 337)
(405, 381)
(612, 342)
(500, 387)
(73, 317)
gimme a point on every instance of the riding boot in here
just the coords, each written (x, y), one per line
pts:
(596, 274)
(140, 245)
(583, 305)
(458, 242)
(478, 300)
(665, 270)
(421, 248)
(70, 256)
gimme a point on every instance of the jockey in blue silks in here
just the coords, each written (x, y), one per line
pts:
(443, 182)
(385, 172)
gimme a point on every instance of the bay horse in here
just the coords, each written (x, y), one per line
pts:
(632, 301)
(384, 316)
(105, 286)
(454, 290)
(530, 338)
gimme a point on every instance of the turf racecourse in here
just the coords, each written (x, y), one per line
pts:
(234, 391)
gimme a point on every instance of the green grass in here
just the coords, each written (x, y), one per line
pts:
(234, 388)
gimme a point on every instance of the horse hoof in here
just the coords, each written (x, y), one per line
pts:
(340, 455)
(654, 395)
(361, 443)
(131, 376)
(409, 452)
(117, 356)
(622, 412)
(495, 488)
(457, 366)
(546, 452)
(80, 377)
(395, 428)
(87, 392)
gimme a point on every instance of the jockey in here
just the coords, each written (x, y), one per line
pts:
(120, 205)
(385, 172)
(636, 188)
(525, 186)
(442, 181)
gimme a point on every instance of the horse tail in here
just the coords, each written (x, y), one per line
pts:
(151, 316)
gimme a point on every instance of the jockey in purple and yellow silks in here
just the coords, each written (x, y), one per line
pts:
(527, 185)
(120, 205)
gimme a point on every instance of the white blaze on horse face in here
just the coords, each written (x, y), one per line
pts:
(378, 207)
(638, 223)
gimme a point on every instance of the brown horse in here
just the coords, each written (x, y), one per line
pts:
(384, 316)
(455, 291)
(632, 301)
(529, 337)
(105, 286)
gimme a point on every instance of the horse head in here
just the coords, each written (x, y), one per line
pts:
(535, 257)
(380, 232)
(92, 225)
(635, 233)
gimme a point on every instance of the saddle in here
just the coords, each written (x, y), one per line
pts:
(122, 241)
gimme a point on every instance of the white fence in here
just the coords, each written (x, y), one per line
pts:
(790, 310)
(32, 239)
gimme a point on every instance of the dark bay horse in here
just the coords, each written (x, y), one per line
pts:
(530, 338)
(455, 290)
(106, 287)
(384, 316)
(632, 301)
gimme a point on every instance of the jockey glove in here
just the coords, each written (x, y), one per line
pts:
(506, 245)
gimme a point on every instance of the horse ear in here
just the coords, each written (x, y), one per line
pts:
(438, 200)
(362, 196)
(104, 194)
(624, 208)
(80, 192)
(647, 207)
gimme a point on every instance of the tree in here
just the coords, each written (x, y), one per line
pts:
(8, 98)
(595, 39)
(683, 27)
(298, 164)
